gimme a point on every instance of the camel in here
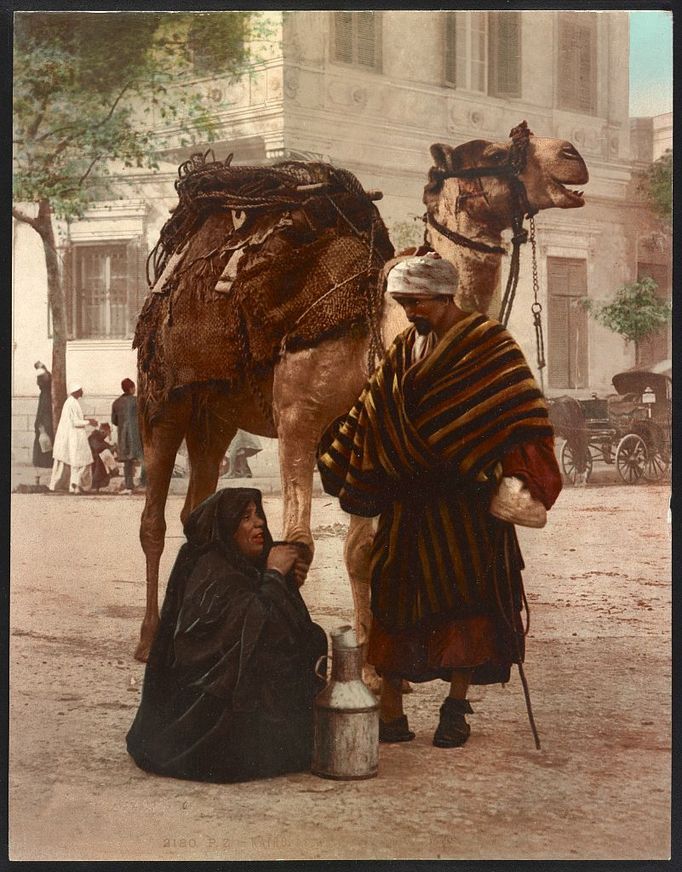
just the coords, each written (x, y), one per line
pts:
(307, 388)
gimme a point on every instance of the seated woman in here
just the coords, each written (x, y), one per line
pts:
(229, 684)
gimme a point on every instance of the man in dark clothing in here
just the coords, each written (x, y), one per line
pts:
(124, 418)
(451, 411)
(44, 430)
(103, 463)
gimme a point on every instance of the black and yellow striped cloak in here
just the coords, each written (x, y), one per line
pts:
(421, 448)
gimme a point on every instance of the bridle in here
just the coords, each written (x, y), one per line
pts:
(511, 170)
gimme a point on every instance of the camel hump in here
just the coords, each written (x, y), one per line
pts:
(256, 259)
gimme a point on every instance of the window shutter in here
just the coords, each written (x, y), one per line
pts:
(567, 322)
(357, 38)
(585, 71)
(576, 69)
(557, 363)
(343, 37)
(504, 54)
(366, 38)
(565, 66)
(577, 338)
(450, 74)
(136, 252)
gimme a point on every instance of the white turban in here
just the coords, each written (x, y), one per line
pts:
(425, 276)
(75, 386)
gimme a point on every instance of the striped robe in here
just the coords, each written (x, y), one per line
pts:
(421, 448)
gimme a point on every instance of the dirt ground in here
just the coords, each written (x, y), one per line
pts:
(598, 580)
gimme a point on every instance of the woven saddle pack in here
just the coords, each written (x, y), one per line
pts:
(254, 259)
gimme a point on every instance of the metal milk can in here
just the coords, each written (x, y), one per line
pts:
(346, 743)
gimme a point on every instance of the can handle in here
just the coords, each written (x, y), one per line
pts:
(319, 660)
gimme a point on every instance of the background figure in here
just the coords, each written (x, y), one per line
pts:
(229, 685)
(71, 446)
(124, 418)
(104, 463)
(44, 429)
(243, 445)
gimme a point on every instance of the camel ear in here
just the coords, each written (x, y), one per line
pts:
(460, 158)
(441, 155)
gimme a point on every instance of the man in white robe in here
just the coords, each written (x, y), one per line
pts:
(71, 447)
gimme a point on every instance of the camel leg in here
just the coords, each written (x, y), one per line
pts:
(206, 447)
(356, 554)
(310, 388)
(297, 434)
(161, 442)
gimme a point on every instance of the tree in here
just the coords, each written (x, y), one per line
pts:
(658, 186)
(86, 87)
(635, 313)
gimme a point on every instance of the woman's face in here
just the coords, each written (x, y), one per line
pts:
(249, 536)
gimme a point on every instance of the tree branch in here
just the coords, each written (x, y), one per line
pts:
(104, 120)
(22, 216)
(89, 169)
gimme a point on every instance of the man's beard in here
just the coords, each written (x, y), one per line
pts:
(422, 326)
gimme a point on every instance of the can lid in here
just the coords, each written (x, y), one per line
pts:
(344, 637)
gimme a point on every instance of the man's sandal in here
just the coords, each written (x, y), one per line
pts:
(453, 730)
(396, 730)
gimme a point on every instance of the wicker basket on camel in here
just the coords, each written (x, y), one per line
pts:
(252, 260)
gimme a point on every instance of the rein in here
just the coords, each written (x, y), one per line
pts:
(518, 157)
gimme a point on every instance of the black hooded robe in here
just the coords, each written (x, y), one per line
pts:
(43, 419)
(229, 686)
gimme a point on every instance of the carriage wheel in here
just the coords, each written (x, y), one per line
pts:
(569, 467)
(631, 458)
(658, 461)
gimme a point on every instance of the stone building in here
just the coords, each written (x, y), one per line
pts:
(371, 91)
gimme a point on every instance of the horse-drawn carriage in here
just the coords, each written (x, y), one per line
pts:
(631, 429)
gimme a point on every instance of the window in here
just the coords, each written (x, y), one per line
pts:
(356, 39)
(655, 347)
(577, 62)
(504, 56)
(567, 322)
(105, 287)
(483, 52)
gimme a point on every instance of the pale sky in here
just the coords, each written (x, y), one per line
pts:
(651, 62)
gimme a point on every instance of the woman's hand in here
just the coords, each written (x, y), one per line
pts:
(282, 558)
(301, 568)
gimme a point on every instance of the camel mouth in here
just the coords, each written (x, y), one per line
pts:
(571, 198)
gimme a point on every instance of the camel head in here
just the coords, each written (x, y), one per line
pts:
(551, 165)
(480, 207)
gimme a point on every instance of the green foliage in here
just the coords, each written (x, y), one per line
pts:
(91, 87)
(635, 312)
(660, 185)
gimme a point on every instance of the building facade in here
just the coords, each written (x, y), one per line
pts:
(371, 91)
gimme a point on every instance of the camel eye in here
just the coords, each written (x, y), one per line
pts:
(498, 156)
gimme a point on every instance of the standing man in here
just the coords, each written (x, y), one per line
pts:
(452, 408)
(44, 429)
(71, 447)
(124, 418)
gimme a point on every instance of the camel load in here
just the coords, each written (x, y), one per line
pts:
(254, 261)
